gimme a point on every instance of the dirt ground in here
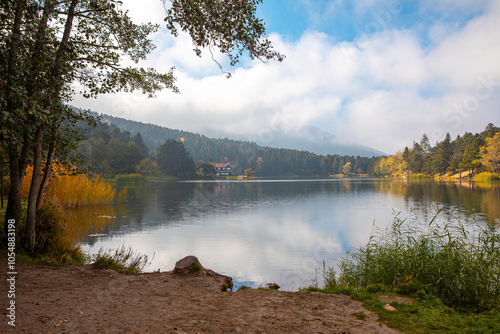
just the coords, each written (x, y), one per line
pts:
(85, 300)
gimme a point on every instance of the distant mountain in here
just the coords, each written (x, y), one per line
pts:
(318, 141)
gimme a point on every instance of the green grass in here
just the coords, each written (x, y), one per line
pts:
(131, 178)
(162, 177)
(485, 177)
(428, 315)
(457, 261)
(450, 270)
(71, 256)
(123, 260)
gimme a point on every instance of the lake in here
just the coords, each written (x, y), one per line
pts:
(264, 231)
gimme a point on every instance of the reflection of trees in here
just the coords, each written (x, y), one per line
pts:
(159, 204)
(138, 195)
(81, 222)
(173, 199)
(471, 198)
(490, 206)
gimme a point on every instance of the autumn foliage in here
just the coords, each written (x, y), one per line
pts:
(68, 189)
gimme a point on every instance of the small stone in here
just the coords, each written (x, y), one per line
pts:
(389, 308)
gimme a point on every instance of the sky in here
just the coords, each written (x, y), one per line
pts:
(378, 73)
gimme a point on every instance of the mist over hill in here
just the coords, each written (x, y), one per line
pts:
(310, 139)
(117, 143)
(316, 140)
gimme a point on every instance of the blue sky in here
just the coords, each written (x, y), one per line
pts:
(380, 73)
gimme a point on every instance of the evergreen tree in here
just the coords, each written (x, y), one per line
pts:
(416, 159)
(138, 140)
(471, 159)
(173, 159)
(441, 157)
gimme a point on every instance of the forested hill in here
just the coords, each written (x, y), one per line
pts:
(266, 161)
(308, 139)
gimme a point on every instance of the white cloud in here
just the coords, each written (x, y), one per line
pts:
(394, 58)
(469, 53)
(384, 90)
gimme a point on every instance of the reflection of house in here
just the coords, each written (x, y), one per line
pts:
(223, 169)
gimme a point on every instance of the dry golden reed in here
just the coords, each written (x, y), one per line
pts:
(69, 190)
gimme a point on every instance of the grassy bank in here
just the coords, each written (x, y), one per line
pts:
(427, 315)
(451, 270)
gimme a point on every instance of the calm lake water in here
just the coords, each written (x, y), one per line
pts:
(267, 231)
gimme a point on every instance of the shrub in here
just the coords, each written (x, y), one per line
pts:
(52, 247)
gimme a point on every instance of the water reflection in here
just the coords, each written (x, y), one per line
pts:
(260, 232)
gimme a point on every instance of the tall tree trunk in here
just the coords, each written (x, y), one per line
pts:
(47, 173)
(52, 97)
(14, 209)
(33, 194)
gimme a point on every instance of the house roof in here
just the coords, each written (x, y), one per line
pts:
(222, 164)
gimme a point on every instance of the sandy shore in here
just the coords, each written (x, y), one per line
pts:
(85, 300)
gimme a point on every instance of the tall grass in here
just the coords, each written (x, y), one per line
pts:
(80, 190)
(131, 178)
(487, 177)
(457, 261)
(124, 260)
(69, 190)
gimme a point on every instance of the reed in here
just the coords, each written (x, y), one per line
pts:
(484, 177)
(71, 190)
(457, 261)
(131, 178)
(420, 176)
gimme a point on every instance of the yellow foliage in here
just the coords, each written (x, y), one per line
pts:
(67, 189)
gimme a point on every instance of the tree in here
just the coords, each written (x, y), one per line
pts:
(416, 158)
(347, 168)
(427, 151)
(231, 26)
(147, 167)
(138, 140)
(173, 159)
(49, 46)
(471, 159)
(249, 172)
(490, 153)
(441, 156)
(206, 170)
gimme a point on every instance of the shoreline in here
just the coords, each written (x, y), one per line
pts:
(82, 299)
